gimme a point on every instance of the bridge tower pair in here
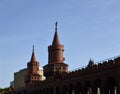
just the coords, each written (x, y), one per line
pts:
(55, 67)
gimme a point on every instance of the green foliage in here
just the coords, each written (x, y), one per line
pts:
(3, 90)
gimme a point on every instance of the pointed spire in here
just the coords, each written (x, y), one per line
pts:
(56, 39)
(33, 58)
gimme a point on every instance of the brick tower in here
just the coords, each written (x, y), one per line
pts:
(56, 66)
(33, 70)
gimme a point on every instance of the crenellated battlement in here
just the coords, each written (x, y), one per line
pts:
(97, 67)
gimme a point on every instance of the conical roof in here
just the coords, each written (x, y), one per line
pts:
(56, 39)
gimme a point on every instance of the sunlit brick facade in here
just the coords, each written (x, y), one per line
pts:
(95, 78)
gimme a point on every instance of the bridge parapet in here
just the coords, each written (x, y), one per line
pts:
(101, 65)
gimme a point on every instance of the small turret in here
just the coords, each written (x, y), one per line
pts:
(33, 65)
(33, 69)
(91, 63)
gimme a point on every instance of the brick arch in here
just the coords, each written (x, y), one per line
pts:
(110, 86)
(88, 87)
(51, 90)
(46, 91)
(43, 91)
(78, 88)
(57, 90)
(40, 91)
(64, 89)
(71, 89)
(97, 86)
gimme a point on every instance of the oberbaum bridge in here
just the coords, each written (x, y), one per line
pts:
(96, 78)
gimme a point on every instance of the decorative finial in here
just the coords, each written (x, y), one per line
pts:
(91, 62)
(33, 48)
(56, 26)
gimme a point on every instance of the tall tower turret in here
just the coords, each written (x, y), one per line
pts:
(33, 69)
(56, 65)
(55, 50)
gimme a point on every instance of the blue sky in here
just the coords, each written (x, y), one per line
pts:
(87, 29)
